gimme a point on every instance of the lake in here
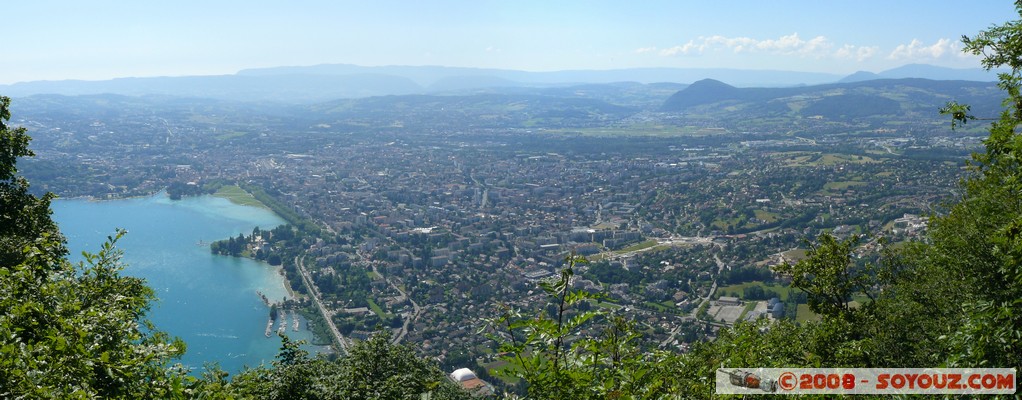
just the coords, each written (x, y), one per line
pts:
(209, 301)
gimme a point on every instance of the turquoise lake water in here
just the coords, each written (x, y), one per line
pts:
(209, 301)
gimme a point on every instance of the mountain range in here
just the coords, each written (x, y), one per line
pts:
(880, 98)
(310, 84)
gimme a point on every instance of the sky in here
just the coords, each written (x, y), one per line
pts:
(94, 40)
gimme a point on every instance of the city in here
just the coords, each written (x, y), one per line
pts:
(428, 230)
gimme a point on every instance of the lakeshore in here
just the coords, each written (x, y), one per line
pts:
(211, 302)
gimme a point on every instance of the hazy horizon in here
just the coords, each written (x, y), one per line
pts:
(101, 40)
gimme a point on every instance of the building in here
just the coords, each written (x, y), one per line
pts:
(729, 301)
(469, 382)
(537, 274)
(777, 310)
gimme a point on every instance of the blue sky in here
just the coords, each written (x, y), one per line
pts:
(52, 40)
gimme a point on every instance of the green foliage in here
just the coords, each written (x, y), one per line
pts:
(373, 369)
(574, 354)
(959, 113)
(603, 272)
(291, 216)
(178, 190)
(71, 331)
(981, 238)
(24, 218)
(828, 276)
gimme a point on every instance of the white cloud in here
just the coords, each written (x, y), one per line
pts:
(916, 50)
(859, 53)
(792, 44)
(683, 49)
(818, 47)
(785, 45)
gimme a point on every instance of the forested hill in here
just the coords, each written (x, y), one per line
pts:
(909, 97)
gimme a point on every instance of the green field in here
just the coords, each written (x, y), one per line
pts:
(725, 223)
(749, 306)
(794, 255)
(642, 130)
(832, 159)
(805, 314)
(737, 290)
(230, 135)
(656, 306)
(498, 370)
(377, 309)
(607, 305)
(766, 215)
(841, 185)
(812, 159)
(858, 300)
(638, 246)
(238, 195)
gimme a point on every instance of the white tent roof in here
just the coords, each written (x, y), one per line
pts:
(463, 374)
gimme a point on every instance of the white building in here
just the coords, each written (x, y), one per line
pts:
(468, 381)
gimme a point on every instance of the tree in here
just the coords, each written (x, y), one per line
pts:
(66, 330)
(828, 276)
(372, 369)
(24, 218)
(574, 354)
(981, 238)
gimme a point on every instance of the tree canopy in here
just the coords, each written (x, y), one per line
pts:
(24, 218)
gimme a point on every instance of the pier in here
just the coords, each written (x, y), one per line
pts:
(283, 322)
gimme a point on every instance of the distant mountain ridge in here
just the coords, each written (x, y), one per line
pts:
(326, 82)
(230, 87)
(902, 103)
(836, 101)
(429, 75)
(925, 72)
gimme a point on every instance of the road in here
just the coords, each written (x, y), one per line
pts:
(672, 241)
(314, 293)
(691, 315)
(720, 264)
(416, 310)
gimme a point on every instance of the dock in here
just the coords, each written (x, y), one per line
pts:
(283, 322)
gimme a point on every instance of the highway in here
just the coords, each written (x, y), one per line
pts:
(314, 293)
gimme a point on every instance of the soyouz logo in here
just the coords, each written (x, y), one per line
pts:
(866, 381)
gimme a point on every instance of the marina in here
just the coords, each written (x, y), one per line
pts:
(283, 322)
